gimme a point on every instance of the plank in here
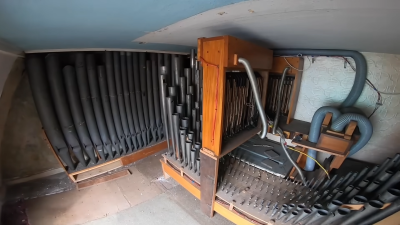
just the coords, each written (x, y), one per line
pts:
(102, 179)
(233, 217)
(97, 171)
(143, 153)
(311, 145)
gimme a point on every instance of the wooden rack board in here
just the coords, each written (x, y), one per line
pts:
(107, 166)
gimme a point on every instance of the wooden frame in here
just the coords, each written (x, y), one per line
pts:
(218, 55)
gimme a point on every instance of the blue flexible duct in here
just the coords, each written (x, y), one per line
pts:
(313, 136)
(358, 86)
(363, 124)
(361, 68)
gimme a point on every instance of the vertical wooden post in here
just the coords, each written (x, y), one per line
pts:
(208, 181)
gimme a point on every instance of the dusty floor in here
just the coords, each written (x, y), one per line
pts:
(144, 197)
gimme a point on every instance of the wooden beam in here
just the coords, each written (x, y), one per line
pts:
(102, 179)
(230, 215)
(143, 153)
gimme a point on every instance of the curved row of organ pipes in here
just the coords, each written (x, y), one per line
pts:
(98, 106)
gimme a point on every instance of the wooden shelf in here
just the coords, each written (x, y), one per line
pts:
(236, 140)
(311, 145)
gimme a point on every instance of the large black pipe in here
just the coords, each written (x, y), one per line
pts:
(136, 135)
(393, 180)
(156, 95)
(120, 99)
(127, 101)
(96, 104)
(370, 209)
(150, 102)
(379, 215)
(182, 139)
(167, 64)
(143, 89)
(71, 87)
(57, 89)
(183, 88)
(138, 96)
(105, 102)
(187, 72)
(86, 100)
(175, 125)
(163, 94)
(170, 110)
(175, 70)
(44, 106)
(113, 99)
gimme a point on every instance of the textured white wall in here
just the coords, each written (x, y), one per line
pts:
(327, 82)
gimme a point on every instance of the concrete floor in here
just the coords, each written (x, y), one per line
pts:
(144, 197)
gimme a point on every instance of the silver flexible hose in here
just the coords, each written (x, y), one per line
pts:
(257, 96)
(282, 141)
(278, 110)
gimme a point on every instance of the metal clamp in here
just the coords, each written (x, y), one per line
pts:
(253, 83)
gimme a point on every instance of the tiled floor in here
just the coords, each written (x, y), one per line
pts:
(144, 197)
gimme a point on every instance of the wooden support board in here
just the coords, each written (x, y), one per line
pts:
(102, 179)
(192, 187)
(183, 170)
(95, 171)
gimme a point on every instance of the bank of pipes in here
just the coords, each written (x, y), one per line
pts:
(240, 111)
(272, 95)
(98, 106)
(181, 94)
(322, 200)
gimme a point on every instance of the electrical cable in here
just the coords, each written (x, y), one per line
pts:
(284, 57)
(293, 149)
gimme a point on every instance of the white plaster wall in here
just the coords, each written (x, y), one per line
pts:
(6, 62)
(327, 82)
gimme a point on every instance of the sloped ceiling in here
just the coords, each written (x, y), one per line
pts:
(175, 25)
(60, 24)
(363, 25)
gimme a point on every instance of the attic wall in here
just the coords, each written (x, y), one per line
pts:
(327, 82)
